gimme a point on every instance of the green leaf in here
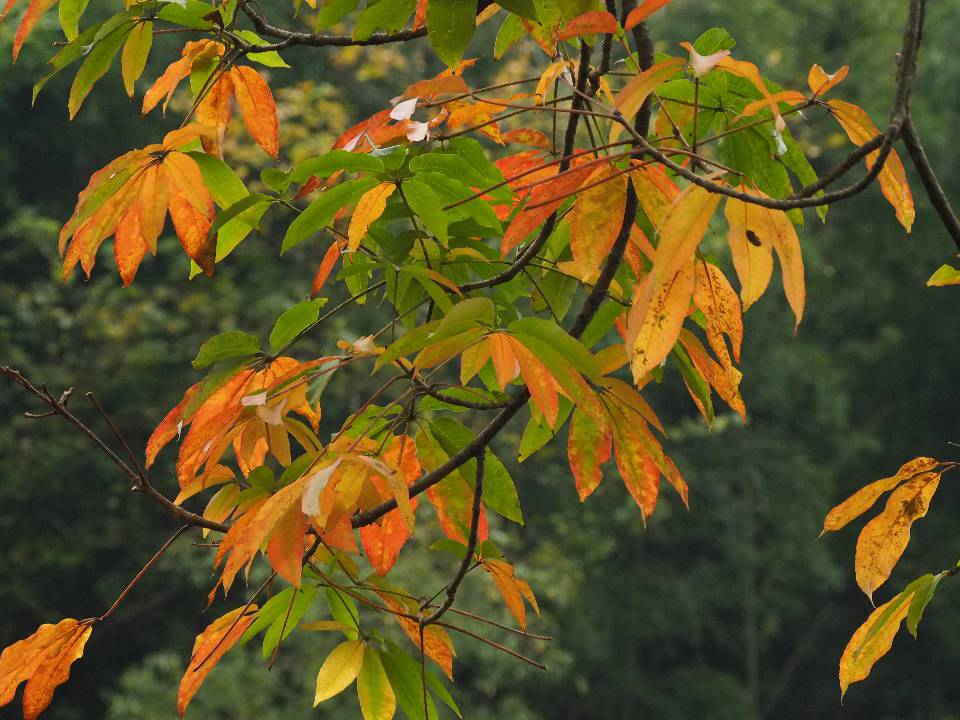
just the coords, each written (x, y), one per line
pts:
(714, 40)
(696, 383)
(404, 674)
(240, 210)
(945, 275)
(499, 490)
(269, 612)
(271, 58)
(344, 610)
(224, 184)
(98, 60)
(450, 26)
(538, 433)
(511, 32)
(427, 206)
(294, 321)
(67, 55)
(924, 592)
(448, 545)
(326, 165)
(524, 8)
(451, 191)
(333, 11)
(189, 14)
(70, 13)
(285, 623)
(387, 15)
(602, 323)
(321, 211)
(440, 690)
(231, 344)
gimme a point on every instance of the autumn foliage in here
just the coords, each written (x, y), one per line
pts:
(551, 271)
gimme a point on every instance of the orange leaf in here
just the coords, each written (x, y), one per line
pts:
(209, 647)
(326, 267)
(655, 319)
(257, 108)
(892, 178)
(504, 360)
(31, 17)
(883, 540)
(641, 13)
(864, 498)
(437, 644)
(527, 136)
(595, 220)
(213, 111)
(512, 589)
(656, 192)
(638, 470)
(596, 21)
(178, 71)
(43, 660)
(193, 229)
(634, 93)
(287, 544)
(588, 447)
(820, 81)
(539, 381)
(152, 202)
(369, 208)
(722, 377)
(129, 246)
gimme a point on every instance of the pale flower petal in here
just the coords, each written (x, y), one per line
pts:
(310, 501)
(404, 110)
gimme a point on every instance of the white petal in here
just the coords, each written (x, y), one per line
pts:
(353, 143)
(364, 345)
(418, 131)
(310, 501)
(702, 64)
(404, 110)
(254, 400)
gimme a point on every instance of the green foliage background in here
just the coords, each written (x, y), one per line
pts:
(733, 610)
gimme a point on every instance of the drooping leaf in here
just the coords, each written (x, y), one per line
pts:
(339, 670)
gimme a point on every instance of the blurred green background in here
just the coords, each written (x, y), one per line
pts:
(732, 610)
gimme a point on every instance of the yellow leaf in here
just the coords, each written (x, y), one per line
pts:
(211, 645)
(634, 93)
(750, 248)
(43, 660)
(892, 178)
(377, 699)
(720, 305)
(339, 670)
(871, 641)
(861, 501)
(369, 208)
(819, 80)
(595, 220)
(883, 540)
(681, 231)
(133, 58)
(257, 108)
(655, 319)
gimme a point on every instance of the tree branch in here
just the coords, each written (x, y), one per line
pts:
(938, 198)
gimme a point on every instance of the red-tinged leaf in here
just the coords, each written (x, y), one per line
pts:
(369, 208)
(595, 220)
(820, 81)
(655, 319)
(630, 399)
(193, 229)
(641, 13)
(681, 231)
(326, 267)
(452, 497)
(504, 360)
(864, 498)
(31, 17)
(178, 71)
(43, 660)
(634, 93)
(720, 305)
(287, 544)
(129, 246)
(547, 196)
(437, 645)
(539, 381)
(383, 541)
(170, 426)
(7, 7)
(640, 474)
(883, 539)
(420, 16)
(209, 647)
(892, 178)
(443, 84)
(791, 97)
(257, 108)
(527, 136)
(588, 447)
(723, 378)
(589, 23)
(751, 240)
